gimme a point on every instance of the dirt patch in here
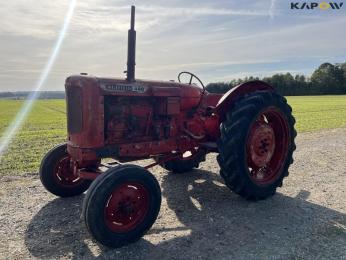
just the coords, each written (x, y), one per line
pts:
(199, 218)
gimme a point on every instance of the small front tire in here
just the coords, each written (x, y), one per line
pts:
(57, 176)
(121, 205)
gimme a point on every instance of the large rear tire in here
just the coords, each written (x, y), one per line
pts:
(57, 176)
(121, 205)
(257, 144)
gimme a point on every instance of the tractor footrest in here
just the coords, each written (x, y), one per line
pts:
(110, 164)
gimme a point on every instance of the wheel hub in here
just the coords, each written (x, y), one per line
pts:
(262, 144)
(267, 146)
(126, 207)
(63, 173)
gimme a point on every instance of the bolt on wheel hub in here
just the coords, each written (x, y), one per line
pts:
(126, 207)
(63, 173)
(262, 144)
(267, 146)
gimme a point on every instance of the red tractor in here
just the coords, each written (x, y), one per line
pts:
(176, 124)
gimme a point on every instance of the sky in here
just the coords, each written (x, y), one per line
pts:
(216, 40)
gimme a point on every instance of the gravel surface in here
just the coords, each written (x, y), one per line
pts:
(199, 218)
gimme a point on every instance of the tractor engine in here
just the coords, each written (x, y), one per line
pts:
(139, 119)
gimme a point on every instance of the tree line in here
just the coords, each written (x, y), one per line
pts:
(327, 79)
(25, 94)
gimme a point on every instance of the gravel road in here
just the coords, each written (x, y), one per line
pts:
(199, 218)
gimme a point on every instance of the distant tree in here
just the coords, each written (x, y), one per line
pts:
(283, 83)
(343, 68)
(326, 79)
(218, 87)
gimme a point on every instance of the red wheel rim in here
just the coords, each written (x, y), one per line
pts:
(126, 207)
(63, 173)
(267, 146)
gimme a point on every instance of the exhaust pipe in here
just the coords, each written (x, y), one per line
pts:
(131, 49)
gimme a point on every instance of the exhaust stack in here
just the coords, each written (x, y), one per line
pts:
(131, 49)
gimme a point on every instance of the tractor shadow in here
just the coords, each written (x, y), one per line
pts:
(213, 223)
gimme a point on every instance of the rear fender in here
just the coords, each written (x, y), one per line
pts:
(230, 97)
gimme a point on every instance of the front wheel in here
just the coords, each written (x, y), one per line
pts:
(121, 205)
(57, 176)
(257, 144)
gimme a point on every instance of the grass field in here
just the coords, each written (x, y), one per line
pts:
(46, 127)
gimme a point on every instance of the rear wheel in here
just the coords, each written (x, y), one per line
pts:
(187, 161)
(57, 176)
(256, 145)
(121, 205)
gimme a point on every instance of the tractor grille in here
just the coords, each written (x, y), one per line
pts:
(74, 109)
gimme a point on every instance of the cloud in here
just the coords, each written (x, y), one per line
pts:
(213, 38)
(210, 64)
(41, 18)
(32, 18)
(272, 8)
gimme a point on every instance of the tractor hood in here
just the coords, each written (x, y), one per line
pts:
(122, 87)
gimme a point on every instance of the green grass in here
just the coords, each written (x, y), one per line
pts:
(46, 126)
(313, 113)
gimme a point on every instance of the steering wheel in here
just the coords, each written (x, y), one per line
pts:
(191, 78)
